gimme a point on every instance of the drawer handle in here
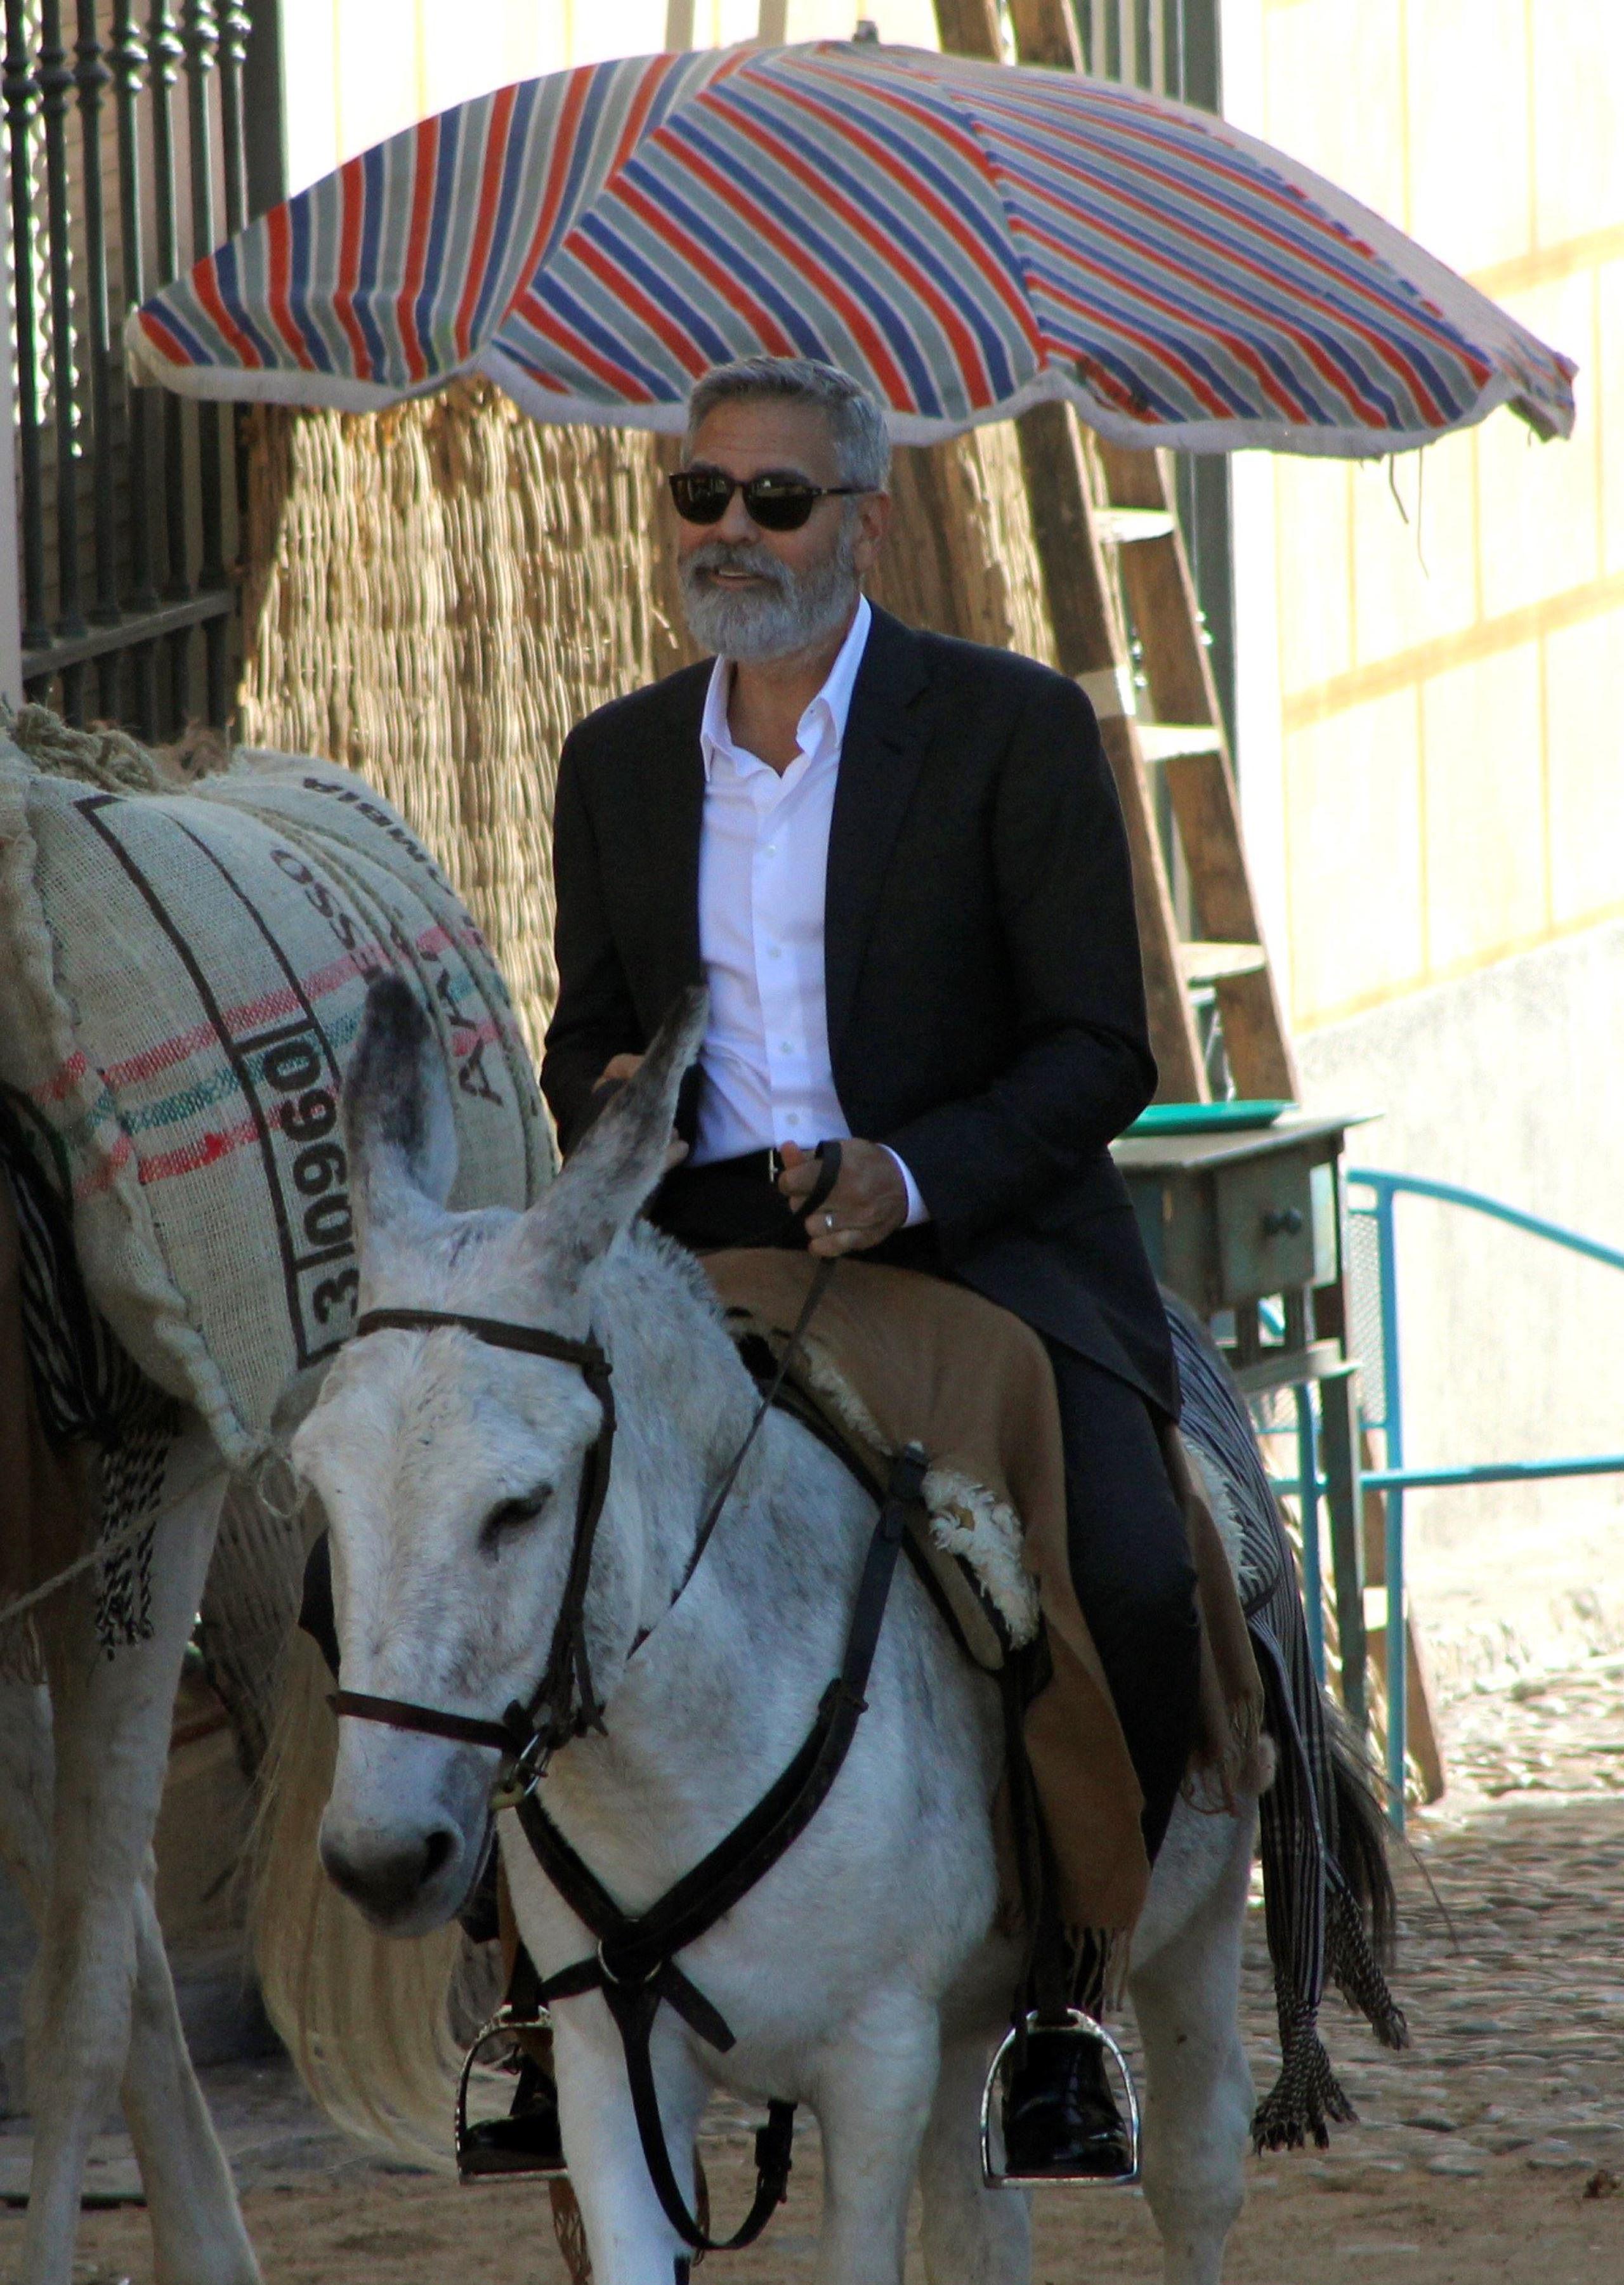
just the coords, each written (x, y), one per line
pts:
(1282, 1222)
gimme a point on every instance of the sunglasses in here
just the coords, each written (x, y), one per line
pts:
(776, 501)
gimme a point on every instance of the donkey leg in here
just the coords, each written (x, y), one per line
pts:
(198, 2232)
(872, 2106)
(975, 2233)
(1198, 2093)
(101, 1972)
(628, 2237)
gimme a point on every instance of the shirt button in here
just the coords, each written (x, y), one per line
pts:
(786, 1047)
(793, 1118)
(774, 951)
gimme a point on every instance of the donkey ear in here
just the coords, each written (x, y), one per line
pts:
(398, 1125)
(618, 1162)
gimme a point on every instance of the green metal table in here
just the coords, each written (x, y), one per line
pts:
(1237, 1220)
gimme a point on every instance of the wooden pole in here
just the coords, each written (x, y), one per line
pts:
(1089, 641)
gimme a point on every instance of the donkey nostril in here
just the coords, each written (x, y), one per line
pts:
(387, 1879)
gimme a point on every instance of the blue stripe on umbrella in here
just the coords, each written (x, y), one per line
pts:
(576, 313)
(660, 289)
(373, 208)
(865, 192)
(885, 317)
(298, 235)
(759, 283)
(434, 280)
(228, 281)
(513, 169)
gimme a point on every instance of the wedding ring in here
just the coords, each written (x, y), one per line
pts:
(828, 1220)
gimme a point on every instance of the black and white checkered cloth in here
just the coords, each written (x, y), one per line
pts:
(1325, 1891)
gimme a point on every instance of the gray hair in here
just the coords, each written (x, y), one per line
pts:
(856, 420)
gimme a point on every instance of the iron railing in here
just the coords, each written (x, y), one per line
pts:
(126, 159)
(1382, 1407)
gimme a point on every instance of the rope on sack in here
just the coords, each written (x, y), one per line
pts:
(108, 758)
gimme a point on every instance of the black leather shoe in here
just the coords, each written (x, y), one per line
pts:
(527, 2141)
(1061, 2119)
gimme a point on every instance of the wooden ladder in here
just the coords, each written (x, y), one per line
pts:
(1114, 569)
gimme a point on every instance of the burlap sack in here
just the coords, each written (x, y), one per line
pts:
(182, 976)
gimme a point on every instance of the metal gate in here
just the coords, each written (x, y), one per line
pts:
(127, 157)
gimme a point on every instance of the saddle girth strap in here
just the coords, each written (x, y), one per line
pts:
(634, 1964)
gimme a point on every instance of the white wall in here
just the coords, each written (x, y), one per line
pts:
(356, 71)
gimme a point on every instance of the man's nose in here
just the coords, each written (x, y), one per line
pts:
(737, 524)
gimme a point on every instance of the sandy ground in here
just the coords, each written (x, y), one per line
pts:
(1492, 2153)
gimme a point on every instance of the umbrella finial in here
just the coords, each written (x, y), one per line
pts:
(867, 34)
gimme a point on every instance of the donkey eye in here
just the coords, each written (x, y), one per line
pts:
(511, 1514)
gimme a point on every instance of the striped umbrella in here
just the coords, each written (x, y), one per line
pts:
(968, 238)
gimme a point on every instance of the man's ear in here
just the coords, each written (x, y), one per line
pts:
(399, 1129)
(874, 513)
(619, 1163)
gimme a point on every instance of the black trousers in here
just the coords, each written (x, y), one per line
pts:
(1126, 1538)
(1130, 1567)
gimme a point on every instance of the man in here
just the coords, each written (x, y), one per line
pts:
(898, 863)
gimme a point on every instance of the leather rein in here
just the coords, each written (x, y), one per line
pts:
(633, 1963)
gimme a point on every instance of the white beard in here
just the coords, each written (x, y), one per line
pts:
(798, 614)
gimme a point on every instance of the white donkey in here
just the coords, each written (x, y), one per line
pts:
(82, 1769)
(863, 1975)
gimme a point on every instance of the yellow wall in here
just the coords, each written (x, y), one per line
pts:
(1451, 710)
(356, 71)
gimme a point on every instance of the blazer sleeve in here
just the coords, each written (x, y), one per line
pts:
(594, 1018)
(1081, 1068)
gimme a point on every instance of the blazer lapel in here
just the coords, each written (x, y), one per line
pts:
(668, 786)
(880, 763)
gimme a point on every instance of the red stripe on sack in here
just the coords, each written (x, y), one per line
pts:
(66, 1076)
(252, 1015)
(120, 1151)
(278, 276)
(425, 158)
(484, 228)
(352, 193)
(209, 1148)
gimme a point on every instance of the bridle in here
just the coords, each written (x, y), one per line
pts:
(633, 1963)
(564, 1703)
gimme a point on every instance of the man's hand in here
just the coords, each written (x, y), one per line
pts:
(868, 1202)
(610, 1082)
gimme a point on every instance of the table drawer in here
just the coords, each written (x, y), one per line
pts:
(1266, 1227)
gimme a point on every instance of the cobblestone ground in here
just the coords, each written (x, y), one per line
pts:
(1494, 2151)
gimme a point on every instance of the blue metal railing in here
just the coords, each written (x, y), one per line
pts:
(1396, 1479)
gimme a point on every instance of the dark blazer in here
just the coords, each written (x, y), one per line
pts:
(986, 1011)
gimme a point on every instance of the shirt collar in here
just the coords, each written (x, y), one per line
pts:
(823, 724)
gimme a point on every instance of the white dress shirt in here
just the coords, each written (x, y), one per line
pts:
(763, 860)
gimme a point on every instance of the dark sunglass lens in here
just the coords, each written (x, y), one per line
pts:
(777, 506)
(701, 495)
